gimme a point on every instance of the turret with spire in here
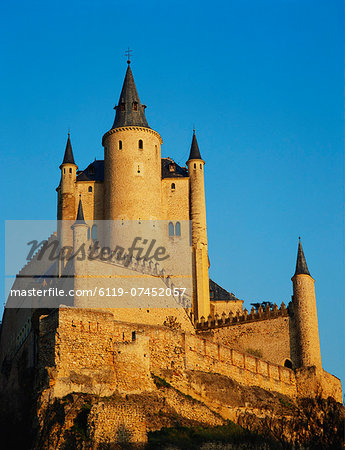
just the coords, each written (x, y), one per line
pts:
(132, 160)
(201, 292)
(66, 198)
(305, 314)
(129, 111)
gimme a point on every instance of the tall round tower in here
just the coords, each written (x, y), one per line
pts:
(132, 161)
(66, 200)
(201, 288)
(66, 190)
(304, 303)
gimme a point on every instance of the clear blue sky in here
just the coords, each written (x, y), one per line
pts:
(261, 80)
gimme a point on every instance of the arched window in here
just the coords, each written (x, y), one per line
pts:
(120, 145)
(171, 229)
(288, 364)
(94, 232)
(178, 229)
(70, 170)
(194, 166)
(141, 144)
(173, 186)
(90, 188)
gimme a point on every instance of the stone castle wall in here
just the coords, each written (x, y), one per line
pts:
(95, 354)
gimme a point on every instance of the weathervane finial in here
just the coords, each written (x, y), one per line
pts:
(128, 54)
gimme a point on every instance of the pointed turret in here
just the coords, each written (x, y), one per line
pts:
(301, 264)
(194, 149)
(80, 215)
(201, 288)
(307, 344)
(68, 156)
(129, 111)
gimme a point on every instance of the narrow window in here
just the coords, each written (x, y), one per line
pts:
(64, 171)
(135, 106)
(288, 364)
(90, 188)
(133, 335)
(194, 166)
(123, 107)
(178, 229)
(171, 229)
(138, 171)
(70, 170)
(200, 166)
(120, 145)
(141, 144)
(94, 232)
(172, 186)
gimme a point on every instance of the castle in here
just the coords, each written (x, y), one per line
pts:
(114, 344)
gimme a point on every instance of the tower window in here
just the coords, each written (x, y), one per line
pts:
(194, 166)
(94, 232)
(288, 364)
(64, 171)
(70, 170)
(171, 229)
(135, 106)
(178, 229)
(200, 166)
(120, 145)
(90, 188)
(138, 170)
(172, 186)
(141, 144)
(123, 107)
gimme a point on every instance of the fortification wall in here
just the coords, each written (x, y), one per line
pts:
(269, 339)
(207, 356)
(95, 354)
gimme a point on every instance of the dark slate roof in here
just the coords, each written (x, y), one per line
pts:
(217, 293)
(68, 157)
(129, 111)
(172, 170)
(93, 172)
(80, 215)
(194, 149)
(301, 263)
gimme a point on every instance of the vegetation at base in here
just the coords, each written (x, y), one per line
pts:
(80, 427)
(254, 352)
(160, 382)
(192, 438)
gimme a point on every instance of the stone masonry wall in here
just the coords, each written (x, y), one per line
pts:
(95, 354)
(270, 339)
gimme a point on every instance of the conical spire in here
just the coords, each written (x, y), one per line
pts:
(80, 215)
(194, 149)
(68, 157)
(301, 264)
(129, 111)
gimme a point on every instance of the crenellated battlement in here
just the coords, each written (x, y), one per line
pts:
(231, 319)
